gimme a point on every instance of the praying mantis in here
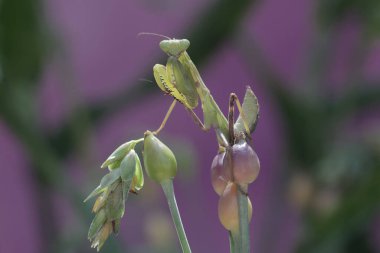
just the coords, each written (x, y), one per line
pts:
(181, 80)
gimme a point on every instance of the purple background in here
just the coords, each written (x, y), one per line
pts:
(101, 54)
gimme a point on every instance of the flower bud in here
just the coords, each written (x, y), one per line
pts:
(159, 161)
(218, 179)
(245, 163)
(228, 209)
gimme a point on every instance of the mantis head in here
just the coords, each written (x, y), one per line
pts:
(174, 47)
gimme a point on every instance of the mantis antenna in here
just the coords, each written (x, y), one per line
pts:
(145, 80)
(153, 34)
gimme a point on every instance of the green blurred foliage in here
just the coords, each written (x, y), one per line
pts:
(334, 11)
(22, 42)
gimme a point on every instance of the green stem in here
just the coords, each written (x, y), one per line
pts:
(235, 246)
(167, 186)
(243, 219)
(232, 242)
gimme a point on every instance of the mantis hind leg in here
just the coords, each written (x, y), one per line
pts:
(196, 119)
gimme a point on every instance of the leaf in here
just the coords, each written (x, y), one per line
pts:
(106, 181)
(128, 166)
(138, 179)
(119, 153)
(115, 206)
(96, 224)
(250, 111)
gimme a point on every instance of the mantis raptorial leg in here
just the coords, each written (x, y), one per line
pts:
(166, 117)
(235, 100)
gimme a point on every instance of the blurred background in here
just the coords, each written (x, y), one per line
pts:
(73, 87)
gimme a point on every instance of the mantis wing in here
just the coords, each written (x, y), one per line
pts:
(183, 81)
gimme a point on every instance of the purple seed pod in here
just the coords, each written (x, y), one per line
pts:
(245, 163)
(218, 180)
(228, 210)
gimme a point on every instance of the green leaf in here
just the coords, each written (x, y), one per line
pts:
(128, 166)
(139, 175)
(119, 153)
(96, 224)
(250, 111)
(116, 226)
(126, 187)
(115, 203)
(106, 181)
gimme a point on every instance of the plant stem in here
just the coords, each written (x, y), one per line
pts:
(235, 246)
(243, 219)
(167, 186)
(232, 242)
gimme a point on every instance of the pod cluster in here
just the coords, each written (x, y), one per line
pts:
(125, 175)
(236, 166)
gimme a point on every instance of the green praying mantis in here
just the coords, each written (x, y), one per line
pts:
(181, 80)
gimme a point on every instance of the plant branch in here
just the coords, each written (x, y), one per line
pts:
(243, 219)
(168, 188)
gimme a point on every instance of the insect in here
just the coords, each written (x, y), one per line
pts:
(175, 78)
(181, 80)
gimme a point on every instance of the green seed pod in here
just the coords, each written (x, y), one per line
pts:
(159, 161)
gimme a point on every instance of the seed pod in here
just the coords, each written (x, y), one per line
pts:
(246, 164)
(159, 161)
(218, 180)
(228, 208)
